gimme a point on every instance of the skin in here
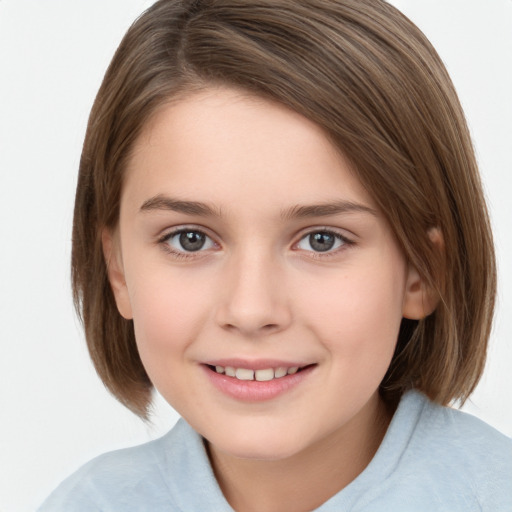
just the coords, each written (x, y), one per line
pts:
(259, 289)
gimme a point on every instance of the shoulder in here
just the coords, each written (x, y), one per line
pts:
(136, 478)
(460, 452)
(436, 458)
(469, 438)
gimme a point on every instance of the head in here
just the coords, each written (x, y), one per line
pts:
(370, 81)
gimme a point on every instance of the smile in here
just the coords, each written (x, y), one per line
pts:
(262, 375)
(258, 380)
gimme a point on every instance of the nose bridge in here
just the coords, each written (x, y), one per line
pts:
(255, 299)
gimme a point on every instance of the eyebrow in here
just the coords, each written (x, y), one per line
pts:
(165, 203)
(160, 202)
(326, 209)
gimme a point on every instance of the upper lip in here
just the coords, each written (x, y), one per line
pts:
(256, 364)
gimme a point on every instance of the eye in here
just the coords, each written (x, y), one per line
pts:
(188, 240)
(321, 241)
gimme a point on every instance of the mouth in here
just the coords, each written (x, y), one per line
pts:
(256, 380)
(259, 375)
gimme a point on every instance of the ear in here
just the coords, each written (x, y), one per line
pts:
(420, 299)
(115, 272)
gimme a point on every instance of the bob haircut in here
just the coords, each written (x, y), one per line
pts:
(372, 81)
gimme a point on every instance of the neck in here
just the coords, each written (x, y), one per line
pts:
(307, 479)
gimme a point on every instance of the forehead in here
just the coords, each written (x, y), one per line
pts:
(230, 147)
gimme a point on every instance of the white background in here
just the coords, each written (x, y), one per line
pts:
(55, 413)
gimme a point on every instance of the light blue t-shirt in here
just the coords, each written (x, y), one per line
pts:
(432, 459)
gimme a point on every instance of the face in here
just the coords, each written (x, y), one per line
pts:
(266, 288)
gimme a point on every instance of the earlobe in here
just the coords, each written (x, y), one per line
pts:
(421, 299)
(115, 272)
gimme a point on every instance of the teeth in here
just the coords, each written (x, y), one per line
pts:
(263, 375)
(259, 375)
(243, 374)
(280, 372)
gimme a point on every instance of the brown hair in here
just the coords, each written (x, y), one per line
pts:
(365, 74)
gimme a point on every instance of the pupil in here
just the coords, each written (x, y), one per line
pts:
(191, 240)
(321, 241)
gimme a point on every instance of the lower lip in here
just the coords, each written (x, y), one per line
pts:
(253, 390)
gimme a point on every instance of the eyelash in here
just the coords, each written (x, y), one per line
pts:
(163, 241)
(345, 243)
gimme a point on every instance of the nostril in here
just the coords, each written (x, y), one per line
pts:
(263, 328)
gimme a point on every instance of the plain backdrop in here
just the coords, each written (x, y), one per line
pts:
(55, 413)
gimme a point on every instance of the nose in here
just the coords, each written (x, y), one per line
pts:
(254, 300)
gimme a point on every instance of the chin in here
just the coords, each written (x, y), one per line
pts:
(260, 445)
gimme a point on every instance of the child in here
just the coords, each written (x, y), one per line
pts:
(279, 224)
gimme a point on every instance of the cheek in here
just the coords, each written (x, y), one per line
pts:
(167, 312)
(358, 317)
